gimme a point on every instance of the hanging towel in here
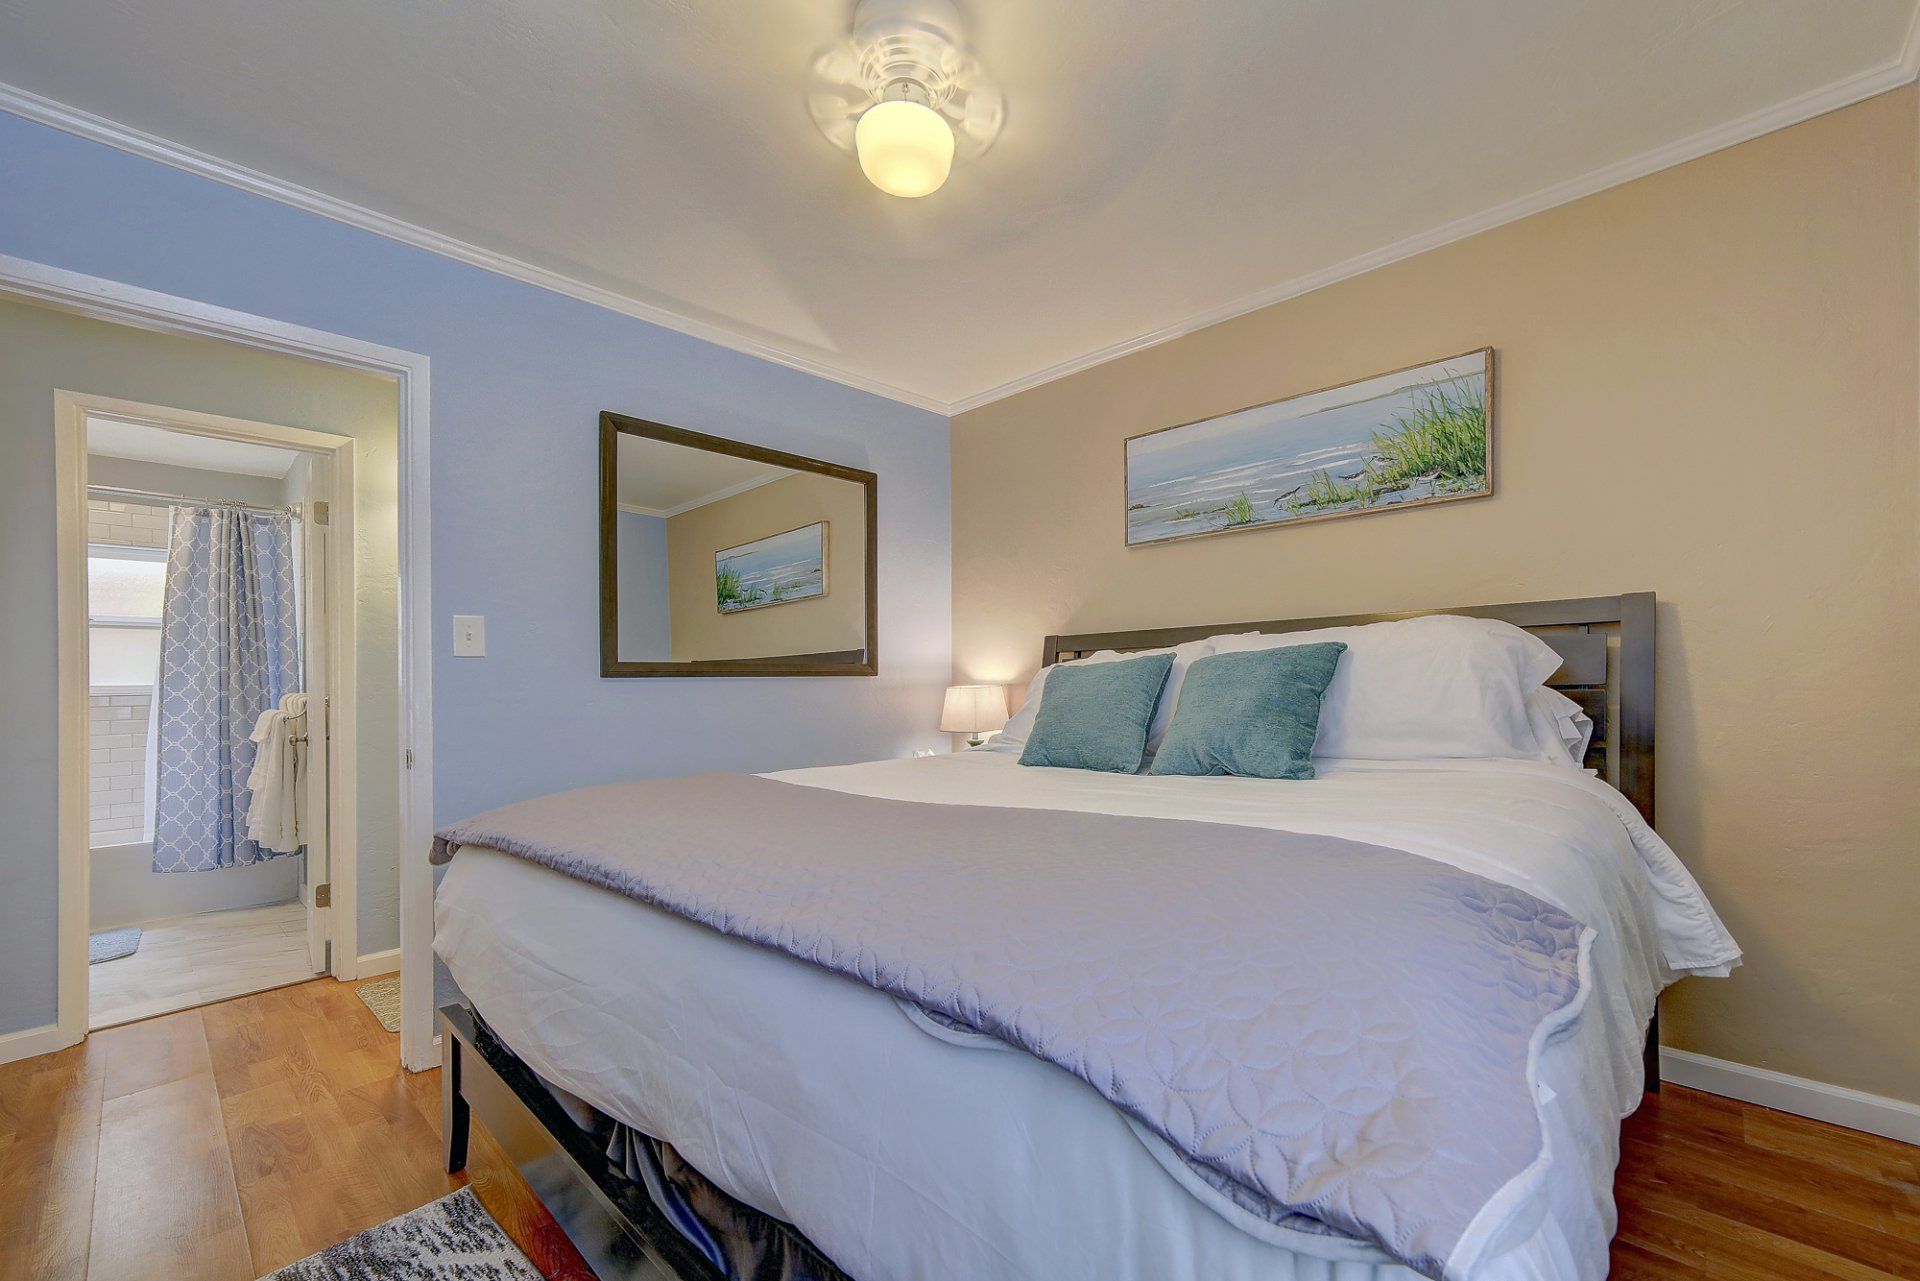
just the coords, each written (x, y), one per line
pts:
(273, 813)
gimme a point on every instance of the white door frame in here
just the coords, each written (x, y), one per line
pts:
(71, 410)
(128, 304)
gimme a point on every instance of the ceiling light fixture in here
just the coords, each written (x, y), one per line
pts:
(904, 96)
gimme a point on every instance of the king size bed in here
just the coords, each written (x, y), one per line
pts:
(965, 1017)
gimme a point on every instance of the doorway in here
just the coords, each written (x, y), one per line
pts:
(411, 676)
(218, 616)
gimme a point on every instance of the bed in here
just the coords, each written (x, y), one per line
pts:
(849, 1134)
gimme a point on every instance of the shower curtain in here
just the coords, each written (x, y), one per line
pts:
(229, 649)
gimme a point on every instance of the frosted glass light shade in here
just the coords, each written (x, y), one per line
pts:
(974, 709)
(905, 149)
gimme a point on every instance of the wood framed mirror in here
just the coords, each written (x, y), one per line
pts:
(720, 558)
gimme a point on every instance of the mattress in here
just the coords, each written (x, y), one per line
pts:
(904, 1151)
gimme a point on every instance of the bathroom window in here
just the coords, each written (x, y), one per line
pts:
(125, 587)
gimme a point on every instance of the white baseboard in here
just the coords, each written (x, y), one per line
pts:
(30, 1041)
(1855, 1109)
(372, 965)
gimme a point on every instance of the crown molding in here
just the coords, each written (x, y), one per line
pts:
(680, 509)
(1793, 111)
(1902, 70)
(85, 124)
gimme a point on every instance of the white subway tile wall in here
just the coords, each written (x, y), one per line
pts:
(117, 727)
(126, 524)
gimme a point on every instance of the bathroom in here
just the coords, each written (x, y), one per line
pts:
(208, 915)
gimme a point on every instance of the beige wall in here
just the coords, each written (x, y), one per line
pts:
(835, 621)
(42, 349)
(1707, 388)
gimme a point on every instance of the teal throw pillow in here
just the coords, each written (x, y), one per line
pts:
(1253, 713)
(1096, 715)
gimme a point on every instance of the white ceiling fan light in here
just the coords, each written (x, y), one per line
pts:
(904, 96)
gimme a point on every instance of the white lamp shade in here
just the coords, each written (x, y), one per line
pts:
(974, 709)
(905, 148)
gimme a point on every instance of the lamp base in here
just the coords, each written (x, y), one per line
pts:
(975, 741)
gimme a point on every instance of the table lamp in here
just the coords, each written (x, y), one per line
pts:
(974, 710)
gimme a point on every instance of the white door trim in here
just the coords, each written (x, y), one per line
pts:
(129, 304)
(70, 415)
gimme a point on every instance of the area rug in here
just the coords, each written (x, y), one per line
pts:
(111, 945)
(382, 996)
(452, 1239)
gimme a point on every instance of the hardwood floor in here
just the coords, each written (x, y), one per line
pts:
(194, 960)
(221, 1143)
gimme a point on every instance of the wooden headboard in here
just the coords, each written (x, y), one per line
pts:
(1605, 645)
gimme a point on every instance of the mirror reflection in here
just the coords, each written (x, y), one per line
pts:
(726, 554)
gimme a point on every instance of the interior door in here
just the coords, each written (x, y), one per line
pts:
(314, 889)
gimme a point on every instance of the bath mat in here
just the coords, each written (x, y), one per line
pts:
(452, 1239)
(111, 945)
(382, 996)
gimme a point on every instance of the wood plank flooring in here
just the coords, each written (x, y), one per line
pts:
(194, 960)
(221, 1143)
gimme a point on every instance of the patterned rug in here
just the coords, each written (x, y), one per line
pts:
(452, 1239)
(111, 945)
(382, 996)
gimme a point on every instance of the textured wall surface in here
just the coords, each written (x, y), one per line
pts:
(519, 378)
(1707, 388)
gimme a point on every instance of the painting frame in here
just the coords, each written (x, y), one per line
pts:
(1486, 490)
(826, 583)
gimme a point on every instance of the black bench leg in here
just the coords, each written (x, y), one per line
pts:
(456, 1117)
(1650, 1057)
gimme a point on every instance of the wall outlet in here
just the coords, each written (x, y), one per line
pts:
(469, 636)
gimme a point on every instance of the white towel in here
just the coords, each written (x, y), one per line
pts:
(273, 814)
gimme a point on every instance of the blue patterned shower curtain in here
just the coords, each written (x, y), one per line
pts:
(229, 650)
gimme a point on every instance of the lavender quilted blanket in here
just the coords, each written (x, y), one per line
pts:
(1322, 1028)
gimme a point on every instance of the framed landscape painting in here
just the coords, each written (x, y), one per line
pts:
(1408, 438)
(776, 570)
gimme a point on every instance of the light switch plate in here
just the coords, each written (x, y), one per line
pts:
(469, 636)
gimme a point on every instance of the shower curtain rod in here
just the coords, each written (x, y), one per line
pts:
(179, 500)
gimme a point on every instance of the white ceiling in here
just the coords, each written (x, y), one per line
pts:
(1163, 164)
(112, 439)
(655, 478)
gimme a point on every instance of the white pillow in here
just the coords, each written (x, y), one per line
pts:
(1013, 738)
(1562, 730)
(1436, 686)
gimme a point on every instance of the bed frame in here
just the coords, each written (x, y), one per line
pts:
(1606, 647)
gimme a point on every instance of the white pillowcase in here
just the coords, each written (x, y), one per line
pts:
(1422, 688)
(1561, 729)
(1013, 738)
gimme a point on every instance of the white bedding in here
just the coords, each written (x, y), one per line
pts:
(905, 1154)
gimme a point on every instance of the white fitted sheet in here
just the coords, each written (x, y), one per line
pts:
(906, 1154)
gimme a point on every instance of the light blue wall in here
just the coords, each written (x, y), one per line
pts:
(646, 619)
(519, 375)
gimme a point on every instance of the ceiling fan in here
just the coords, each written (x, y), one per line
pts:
(903, 94)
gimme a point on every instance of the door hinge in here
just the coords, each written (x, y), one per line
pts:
(323, 895)
(409, 758)
(320, 514)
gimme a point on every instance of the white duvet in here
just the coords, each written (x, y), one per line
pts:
(904, 1153)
